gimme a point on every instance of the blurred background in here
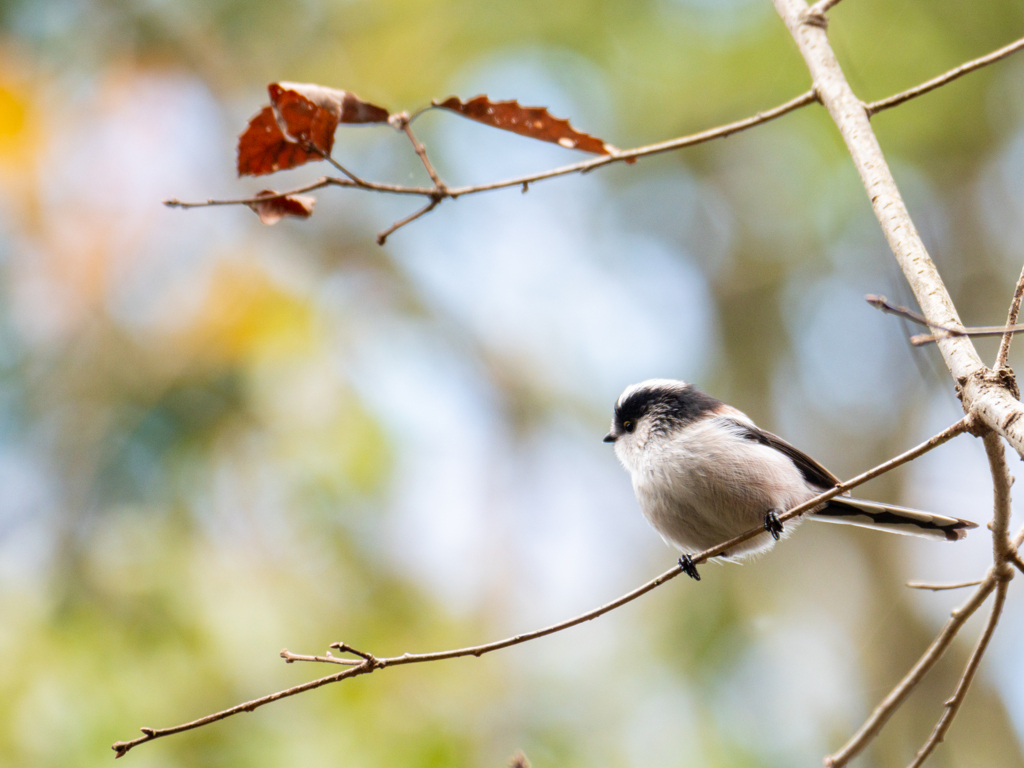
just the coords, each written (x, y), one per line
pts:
(218, 439)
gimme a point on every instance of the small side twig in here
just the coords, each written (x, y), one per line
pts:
(930, 85)
(290, 657)
(1011, 321)
(942, 587)
(945, 331)
(382, 237)
(996, 579)
(888, 706)
(401, 121)
(148, 734)
(952, 705)
(346, 648)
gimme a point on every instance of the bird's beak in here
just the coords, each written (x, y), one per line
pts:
(610, 437)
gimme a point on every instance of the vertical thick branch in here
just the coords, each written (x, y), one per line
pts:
(983, 393)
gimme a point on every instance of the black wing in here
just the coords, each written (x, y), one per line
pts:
(812, 471)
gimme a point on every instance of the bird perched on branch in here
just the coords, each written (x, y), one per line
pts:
(703, 473)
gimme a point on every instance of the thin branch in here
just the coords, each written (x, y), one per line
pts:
(953, 704)
(892, 101)
(1003, 548)
(942, 587)
(581, 167)
(1001, 572)
(881, 303)
(1015, 560)
(329, 658)
(921, 339)
(383, 236)
(905, 687)
(122, 747)
(1011, 321)
(402, 120)
(651, 149)
(371, 663)
(320, 183)
(323, 181)
(946, 332)
(330, 159)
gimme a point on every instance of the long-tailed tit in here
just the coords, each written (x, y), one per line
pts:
(703, 473)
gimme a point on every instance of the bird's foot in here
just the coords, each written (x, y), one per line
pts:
(687, 564)
(772, 524)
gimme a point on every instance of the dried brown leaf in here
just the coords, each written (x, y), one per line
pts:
(535, 122)
(300, 120)
(275, 208)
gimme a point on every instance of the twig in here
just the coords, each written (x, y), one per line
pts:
(1011, 321)
(1002, 549)
(920, 339)
(383, 236)
(880, 302)
(371, 663)
(330, 159)
(903, 689)
(1002, 546)
(290, 657)
(942, 587)
(323, 181)
(122, 747)
(651, 149)
(953, 704)
(930, 85)
(402, 120)
(1015, 560)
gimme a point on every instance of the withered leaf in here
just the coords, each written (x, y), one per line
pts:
(301, 116)
(535, 122)
(274, 209)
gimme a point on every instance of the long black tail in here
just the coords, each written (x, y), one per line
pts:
(887, 517)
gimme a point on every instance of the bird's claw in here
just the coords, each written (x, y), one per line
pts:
(689, 568)
(772, 524)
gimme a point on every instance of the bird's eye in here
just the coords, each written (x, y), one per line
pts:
(629, 426)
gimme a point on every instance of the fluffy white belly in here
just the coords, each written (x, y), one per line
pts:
(715, 485)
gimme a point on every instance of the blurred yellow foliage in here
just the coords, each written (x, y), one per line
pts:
(247, 317)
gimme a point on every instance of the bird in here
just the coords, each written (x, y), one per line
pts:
(703, 473)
